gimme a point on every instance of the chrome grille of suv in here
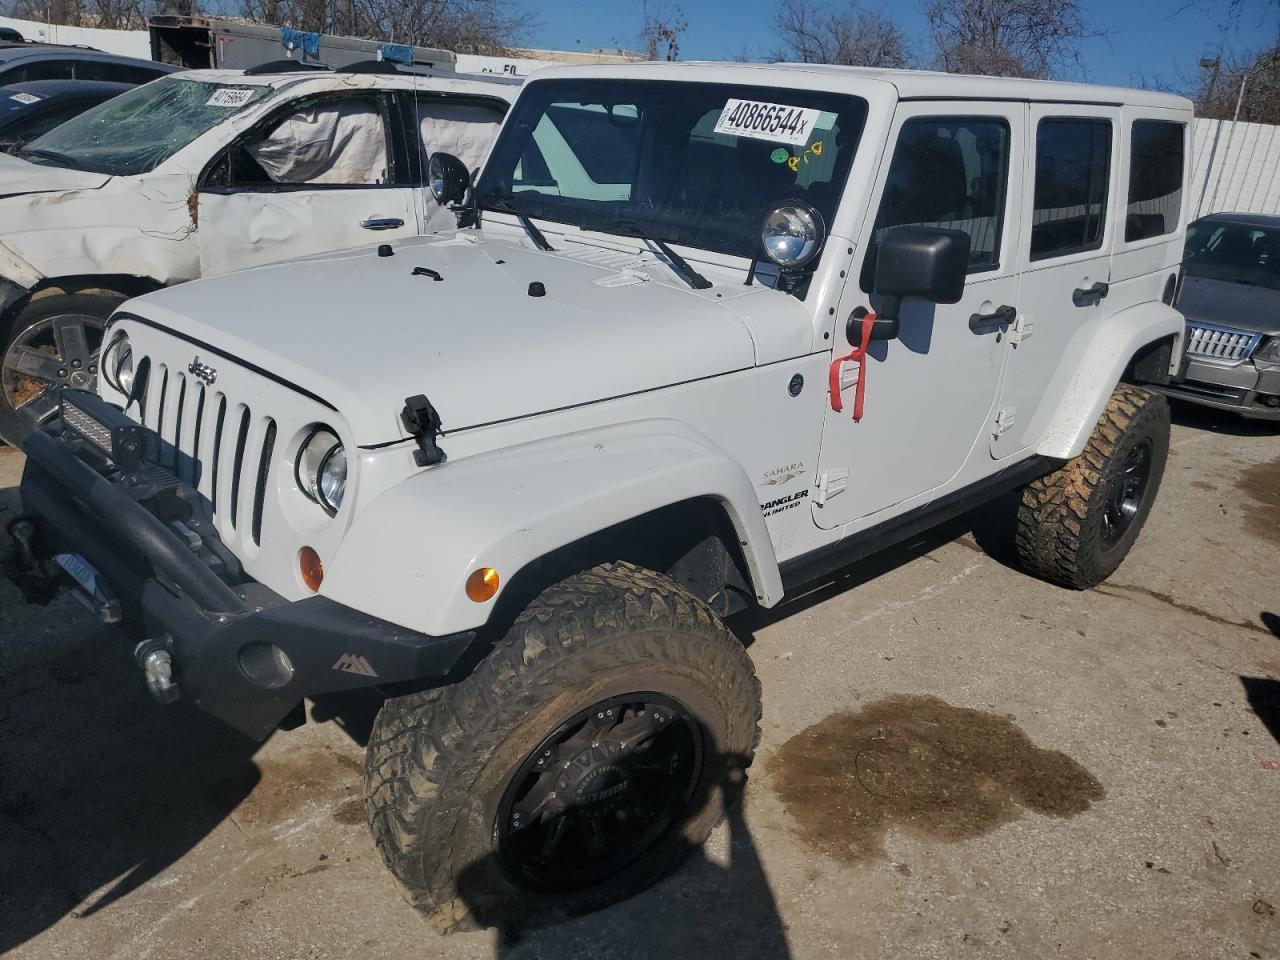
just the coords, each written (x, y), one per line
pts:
(213, 443)
(1220, 344)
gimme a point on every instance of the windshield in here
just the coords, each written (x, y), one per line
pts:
(1234, 252)
(11, 101)
(691, 163)
(139, 130)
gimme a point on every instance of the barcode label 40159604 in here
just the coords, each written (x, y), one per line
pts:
(775, 122)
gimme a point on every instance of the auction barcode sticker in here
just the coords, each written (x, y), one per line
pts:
(230, 97)
(774, 122)
(27, 98)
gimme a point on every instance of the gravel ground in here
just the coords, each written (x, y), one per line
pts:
(957, 761)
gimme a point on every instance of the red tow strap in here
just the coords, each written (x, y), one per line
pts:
(858, 354)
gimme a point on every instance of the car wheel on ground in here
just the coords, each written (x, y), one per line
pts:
(1076, 525)
(53, 341)
(580, 761)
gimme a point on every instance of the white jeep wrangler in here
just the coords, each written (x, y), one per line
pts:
(202, 173)
(709, 332)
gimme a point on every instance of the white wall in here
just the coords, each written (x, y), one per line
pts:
(129, 43)
(1236, 167)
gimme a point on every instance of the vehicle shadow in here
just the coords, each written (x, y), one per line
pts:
(101, 788)
(1220, 421)
(704, 909)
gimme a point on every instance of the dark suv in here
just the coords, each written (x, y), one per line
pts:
(1230, 295)
(22, 62)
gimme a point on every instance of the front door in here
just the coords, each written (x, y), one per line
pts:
(1065, 265)
(318, 176)
(930, 392)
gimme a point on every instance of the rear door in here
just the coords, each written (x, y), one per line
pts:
(1065, 261)
(321, 174)
(462, 126)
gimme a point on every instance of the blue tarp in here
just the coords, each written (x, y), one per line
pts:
(396, 53)
(308, 43)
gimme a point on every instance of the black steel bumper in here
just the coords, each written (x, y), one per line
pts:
(225, 633)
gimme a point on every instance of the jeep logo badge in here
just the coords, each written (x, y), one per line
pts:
(202, 371)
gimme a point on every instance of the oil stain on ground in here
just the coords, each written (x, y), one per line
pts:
(1261, 483)
(921, 765)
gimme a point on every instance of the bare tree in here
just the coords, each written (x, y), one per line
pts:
(852, 37)
(1247, 84)
(1005, 38)
(664, 24)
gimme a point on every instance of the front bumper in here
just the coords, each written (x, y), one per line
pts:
(1249, 388)
(223, 631)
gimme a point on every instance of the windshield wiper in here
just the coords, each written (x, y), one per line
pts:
(678, 263)
(57, 157)
(502, 205)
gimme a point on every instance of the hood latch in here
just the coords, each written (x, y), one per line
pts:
(423, 423)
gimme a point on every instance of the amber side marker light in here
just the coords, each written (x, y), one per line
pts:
(482, 584)
(310, 567)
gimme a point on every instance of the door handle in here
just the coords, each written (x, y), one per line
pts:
(382, 223)
(984, 321)
(1081, 296)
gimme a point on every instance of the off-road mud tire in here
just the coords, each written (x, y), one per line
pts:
(438, 761)
(1060, 518)
(53, 301)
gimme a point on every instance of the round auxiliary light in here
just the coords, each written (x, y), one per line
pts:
(118, 366)
(792, 234)
(310, 568)
(321, 469)
(482, 584)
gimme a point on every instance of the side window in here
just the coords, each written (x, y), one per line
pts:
(947, 172)
(42, 70)
(115, 72)
(466, 130)
(1073, 162)
(331, 143)
(1155, 179)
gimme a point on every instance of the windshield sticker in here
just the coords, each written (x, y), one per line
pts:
(230, 97)
(27, 98)
(767, 121)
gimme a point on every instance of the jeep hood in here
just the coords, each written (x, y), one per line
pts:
(1239, 305)
(17, 177)
(364, 332)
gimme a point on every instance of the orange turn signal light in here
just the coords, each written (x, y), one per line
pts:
(310, 567)
(482, 584)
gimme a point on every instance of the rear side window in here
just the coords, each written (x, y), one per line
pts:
(1155, 179)
(42, 70)
(117, 72)
(947, 172)
(1073, 161)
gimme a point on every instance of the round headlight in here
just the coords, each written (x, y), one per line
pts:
(117, 366)
(792, 234)
(321, 469)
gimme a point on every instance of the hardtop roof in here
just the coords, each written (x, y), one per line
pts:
(909, 84)
(442, 81)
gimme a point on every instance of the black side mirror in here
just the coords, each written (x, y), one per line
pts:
(449, 178)
(926, 262)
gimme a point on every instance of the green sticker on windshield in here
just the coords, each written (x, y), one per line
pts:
(780, 155)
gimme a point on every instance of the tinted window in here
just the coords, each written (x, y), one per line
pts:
(947, 172)
(1155, 179)
(1073, 160)
(1234, 252)
(41, 70)
(119, 72)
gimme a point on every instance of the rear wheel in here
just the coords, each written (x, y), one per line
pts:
(590, 751)
(1076, 525)
(53, 341)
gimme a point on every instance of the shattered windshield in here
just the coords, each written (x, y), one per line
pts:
(690, 163)
(140, 129)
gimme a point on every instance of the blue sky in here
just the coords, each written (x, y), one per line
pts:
(1161, 39)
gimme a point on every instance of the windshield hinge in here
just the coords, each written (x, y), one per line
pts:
(423, 423)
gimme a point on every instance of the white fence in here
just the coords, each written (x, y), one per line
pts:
(1236, 168)
(128, 43)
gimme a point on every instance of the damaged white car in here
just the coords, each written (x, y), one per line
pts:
(207, 172)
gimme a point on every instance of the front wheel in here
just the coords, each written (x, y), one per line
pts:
(583, 758)
(53, 341)
(1077, 524)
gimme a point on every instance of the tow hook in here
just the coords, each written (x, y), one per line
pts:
(156, 661)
